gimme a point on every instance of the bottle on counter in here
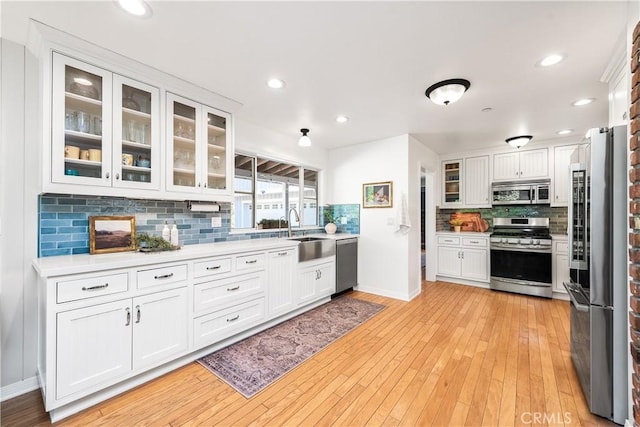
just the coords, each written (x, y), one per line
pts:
(174, 235)
(166, 234)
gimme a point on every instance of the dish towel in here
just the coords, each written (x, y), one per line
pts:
(404, 222)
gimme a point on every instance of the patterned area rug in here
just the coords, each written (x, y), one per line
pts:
(254, 363)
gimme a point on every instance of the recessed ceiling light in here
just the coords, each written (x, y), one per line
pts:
(583, 101)
(138, 8)
(564, 131)
(342, 119)
(275, 83)
(550, 60)
(487, 109)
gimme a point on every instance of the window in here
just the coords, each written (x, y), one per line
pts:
(277, 188)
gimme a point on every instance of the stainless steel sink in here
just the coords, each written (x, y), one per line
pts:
(314, 247)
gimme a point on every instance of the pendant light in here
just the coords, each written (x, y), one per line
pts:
(447, 91)
(518, 141)
(304, 140)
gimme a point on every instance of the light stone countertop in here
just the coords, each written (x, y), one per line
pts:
(464, 233)
(337, 236)
(559, 237)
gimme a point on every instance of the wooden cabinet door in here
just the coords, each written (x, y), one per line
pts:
(159, 327)
(534, 164)
(326, 281)
(280, 267)
(476, 181)
(93, 346)
(474, 265)
(561, 163)
(506, 166)
(449, 261)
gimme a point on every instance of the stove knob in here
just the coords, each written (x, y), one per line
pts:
(535, 242)
(525, 241)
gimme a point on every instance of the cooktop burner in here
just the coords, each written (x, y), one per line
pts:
(534, 228)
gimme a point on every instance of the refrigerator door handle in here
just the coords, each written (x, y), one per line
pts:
(574, 301)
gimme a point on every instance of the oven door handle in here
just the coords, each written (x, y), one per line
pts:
(574, 301)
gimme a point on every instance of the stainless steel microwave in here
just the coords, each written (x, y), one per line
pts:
(520, 193)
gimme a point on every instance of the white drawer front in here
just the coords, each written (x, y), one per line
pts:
(211, 267)
(224, 323)
(223, 292)
(72, 290)
(250, 262)
(474, 241)
(162, 276)
(446, 240)
(562, 247)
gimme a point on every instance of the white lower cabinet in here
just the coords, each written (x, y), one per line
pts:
(103, 342)
(281, 267)
(315, 280)
(463, 257)
(221, 324)
(560, 265)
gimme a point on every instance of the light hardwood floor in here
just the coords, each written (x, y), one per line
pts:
(455, 355)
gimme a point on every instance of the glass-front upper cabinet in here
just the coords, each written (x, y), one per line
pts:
(136, 134)
(451, 182)
(81, 118)
(199, 153)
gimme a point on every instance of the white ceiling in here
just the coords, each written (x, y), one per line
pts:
(371, 61)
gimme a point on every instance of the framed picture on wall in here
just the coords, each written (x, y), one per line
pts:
(377, 195)
(112, 234)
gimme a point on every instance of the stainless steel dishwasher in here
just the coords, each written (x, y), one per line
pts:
(346, 264)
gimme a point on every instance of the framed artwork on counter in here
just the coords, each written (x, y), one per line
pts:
(112, 234)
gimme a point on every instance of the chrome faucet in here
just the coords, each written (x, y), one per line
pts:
(289, 219)
(280, 226)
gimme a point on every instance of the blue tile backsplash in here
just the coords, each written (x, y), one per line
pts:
(64, 221)
(350, 212)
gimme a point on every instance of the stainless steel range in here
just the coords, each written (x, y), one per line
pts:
(521, 256)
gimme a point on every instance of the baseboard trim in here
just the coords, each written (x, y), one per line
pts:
(384, 293)
(16, 389)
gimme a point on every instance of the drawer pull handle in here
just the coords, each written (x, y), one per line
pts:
(128, 317)
(215, 267)
(164, 276)
(95, 288)
(448, 240)
(282, 253)
(235, 288)
(474, 241)
(233, 319)
(137, 314)
(253, 261)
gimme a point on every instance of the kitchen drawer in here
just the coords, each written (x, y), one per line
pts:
(223, 292)
(162, 276)
(251, 262)
(447, 240)
(217, 326)
(474, 242)
(562, 247)
(72, 290)
(212, 267)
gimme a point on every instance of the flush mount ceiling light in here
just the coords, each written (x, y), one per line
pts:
(138, 8)
(518, 141)
(275, 83)
(564, 131)
(447, 91)
(342, 119)
(550, 60)
(584, 101)
(304, 140)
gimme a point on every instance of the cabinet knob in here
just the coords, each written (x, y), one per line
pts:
(205, 185)
(117, 176)
(106, 175)
(198, 184)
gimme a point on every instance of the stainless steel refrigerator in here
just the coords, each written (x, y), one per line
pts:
(597, 228)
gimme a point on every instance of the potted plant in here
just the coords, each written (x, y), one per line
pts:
(457, 224)
(330, 226)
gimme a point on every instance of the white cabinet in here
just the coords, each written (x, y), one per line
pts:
(281, 266)
(530, 164)
(105, 129)
(561, 163)
(199, 150)
(98, 344)
(451, 183)
(463, 257)
(476, 182)
(560, 265)
(315, 280)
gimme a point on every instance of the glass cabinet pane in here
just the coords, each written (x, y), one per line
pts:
(184, 145)
(83, 123)
(452, 182)
(216, 152)
(136, 135)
